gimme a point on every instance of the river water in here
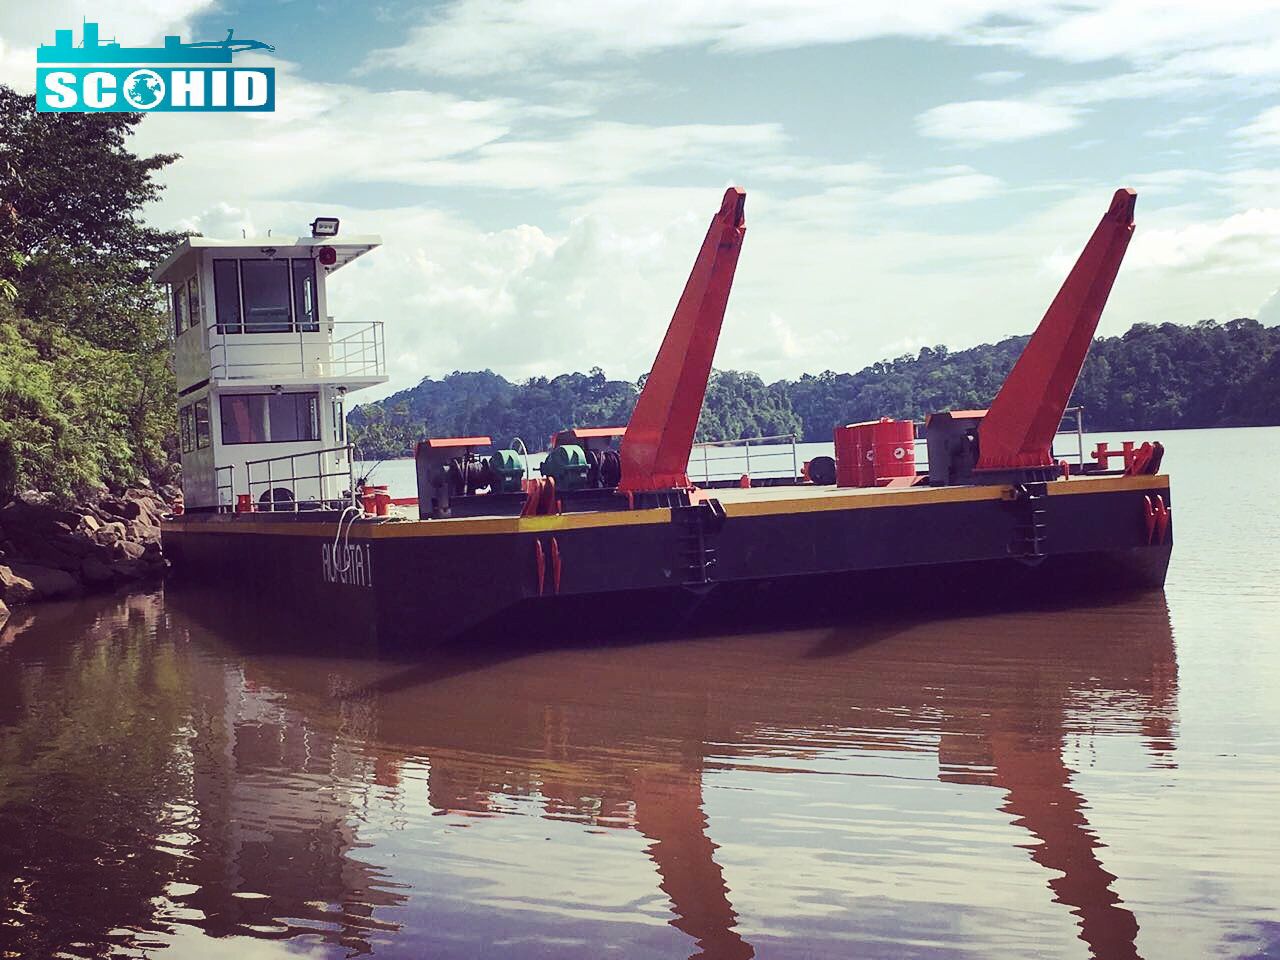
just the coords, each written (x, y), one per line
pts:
(1094, 781)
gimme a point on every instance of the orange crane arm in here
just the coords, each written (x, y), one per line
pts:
(659, 437)
(1019, 427)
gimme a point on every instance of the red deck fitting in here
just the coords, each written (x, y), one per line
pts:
(1018, 430)
(659, 438)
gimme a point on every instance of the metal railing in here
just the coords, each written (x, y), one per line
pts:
(358, 351)
(279, 489)
(742, 461)
(229, 487)
(1075, 414)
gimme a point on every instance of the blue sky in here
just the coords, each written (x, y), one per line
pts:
(542, 171)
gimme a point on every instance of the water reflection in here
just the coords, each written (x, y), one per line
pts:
(157, 780)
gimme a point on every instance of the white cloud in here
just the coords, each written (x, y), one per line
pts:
(1244, 242)
(1263, 130)
(480, 37)
(221, 221)
(996, 121)
(26, 25)
(997, 77)
(1178, 127)
(1269, 313)
(487, 37)
(950, 185)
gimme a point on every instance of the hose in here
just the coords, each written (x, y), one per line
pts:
(356, 513)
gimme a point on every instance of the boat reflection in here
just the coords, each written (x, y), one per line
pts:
(281, 755)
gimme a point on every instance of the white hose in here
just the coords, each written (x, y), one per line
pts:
(356, 513)
(524, 450)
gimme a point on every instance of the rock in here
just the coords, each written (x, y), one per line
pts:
(144, 532)
(110, 533)
(94, 572)
(132, 549)
(128, 570)
(45, 553)
(15, 588)
(74, 545)
(45, 582)
(34, 515)
(4, 613)
(90, 523)
(122, 509)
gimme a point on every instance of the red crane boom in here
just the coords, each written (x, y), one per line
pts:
(659, 437)
(1018, 430)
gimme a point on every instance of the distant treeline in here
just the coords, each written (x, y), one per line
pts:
(1152, 378)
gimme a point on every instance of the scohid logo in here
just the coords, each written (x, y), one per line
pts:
(103, 76)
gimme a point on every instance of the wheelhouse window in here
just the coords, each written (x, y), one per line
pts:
(266, 296)
(339, 421)
(270, 417)
(202, 423)
(193, 303)
(186, 428)
(264, 286)
(304, 295)
(179, 299)
(226, 296)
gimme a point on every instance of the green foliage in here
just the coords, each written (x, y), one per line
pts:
(1153, 377)
(75, 417)
(86, 392)
(72, 241)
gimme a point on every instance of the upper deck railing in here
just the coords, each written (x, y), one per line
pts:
(332, 349)
(312, 480)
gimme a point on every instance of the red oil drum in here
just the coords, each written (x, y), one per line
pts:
(375, 500)
(873, 453)
(244, 503)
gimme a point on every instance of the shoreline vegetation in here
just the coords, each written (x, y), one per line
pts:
(88, 457)
(1153, 377)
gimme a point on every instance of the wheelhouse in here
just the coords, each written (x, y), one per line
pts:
(263, 370)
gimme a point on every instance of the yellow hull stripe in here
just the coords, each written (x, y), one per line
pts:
(905, 497)
(480, 526)
(1109, 485)
(425, 528)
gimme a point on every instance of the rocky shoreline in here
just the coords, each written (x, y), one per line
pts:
(52, 551)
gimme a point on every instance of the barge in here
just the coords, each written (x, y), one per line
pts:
(275, 518)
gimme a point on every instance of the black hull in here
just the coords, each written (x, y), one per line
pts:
(761, 564)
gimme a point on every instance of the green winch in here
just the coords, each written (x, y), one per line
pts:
(567, 466)
(507, 470)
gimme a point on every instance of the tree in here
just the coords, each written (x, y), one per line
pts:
(86, 391)
(72, 240)
(1153, 377)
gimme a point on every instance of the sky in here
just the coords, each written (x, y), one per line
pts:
(542, 171)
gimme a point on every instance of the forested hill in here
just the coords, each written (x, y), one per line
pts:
(1153, 378)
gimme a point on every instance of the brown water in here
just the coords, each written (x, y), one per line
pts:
(1098, 781)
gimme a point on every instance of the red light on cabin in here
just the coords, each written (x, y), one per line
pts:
(328, 256)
